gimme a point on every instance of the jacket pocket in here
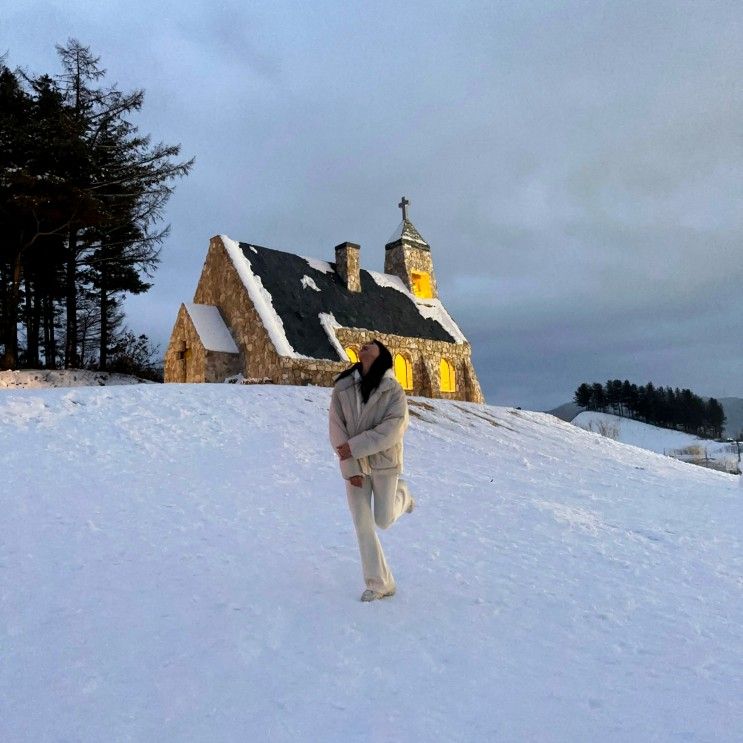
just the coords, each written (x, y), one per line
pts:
(387, 459)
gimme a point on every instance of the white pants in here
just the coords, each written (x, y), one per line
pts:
(391, 500)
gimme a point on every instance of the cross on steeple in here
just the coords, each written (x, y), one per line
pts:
(403, 205)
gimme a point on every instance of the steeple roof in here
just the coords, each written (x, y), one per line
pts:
(407, 232)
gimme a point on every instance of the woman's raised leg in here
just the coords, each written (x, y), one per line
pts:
(391, 499)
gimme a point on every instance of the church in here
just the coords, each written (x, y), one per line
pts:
(278, 317)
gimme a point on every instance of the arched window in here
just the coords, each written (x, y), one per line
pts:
(421, 282)
(353, 357)
(404, 371)
(447, 376)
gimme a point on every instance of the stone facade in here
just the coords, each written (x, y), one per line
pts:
(221, 286)
(402, 258)
(186, 359)
(425, 357)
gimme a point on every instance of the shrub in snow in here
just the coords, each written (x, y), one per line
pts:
(609, 429)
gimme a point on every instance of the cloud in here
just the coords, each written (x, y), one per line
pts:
(576, 167)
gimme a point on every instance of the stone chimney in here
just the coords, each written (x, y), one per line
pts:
(347, 264)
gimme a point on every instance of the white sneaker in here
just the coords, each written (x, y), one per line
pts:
(372, 595)
(402, 485)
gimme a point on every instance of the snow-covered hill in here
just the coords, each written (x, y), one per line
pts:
(177, 564)
(733, 407)
(660, 440)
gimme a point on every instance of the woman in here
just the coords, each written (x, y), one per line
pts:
(368, 417)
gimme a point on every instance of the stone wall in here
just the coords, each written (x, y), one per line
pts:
(221, 286)
(220, 365)
(186, 359)
(425, 356)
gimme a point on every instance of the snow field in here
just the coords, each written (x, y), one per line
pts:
(178, 563)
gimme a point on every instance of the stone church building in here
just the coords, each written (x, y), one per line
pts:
(280, 317)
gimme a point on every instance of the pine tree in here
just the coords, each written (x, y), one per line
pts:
(613, 394)
(715, 418)
(36, 195)
(81, 194)
(583, 395)
(598, 398)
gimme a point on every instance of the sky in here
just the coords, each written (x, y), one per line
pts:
(576, 167)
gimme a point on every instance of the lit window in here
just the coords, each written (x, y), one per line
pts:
(421, 285)
(404, 372)
(353, 357)
(448, 381)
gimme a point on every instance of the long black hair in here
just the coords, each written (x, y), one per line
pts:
(370, 381)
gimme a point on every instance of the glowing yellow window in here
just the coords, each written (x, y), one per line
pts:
(353, 357)
(422, 285)
(404, 372)
(448, 381)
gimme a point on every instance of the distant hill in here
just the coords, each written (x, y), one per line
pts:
(733, 407)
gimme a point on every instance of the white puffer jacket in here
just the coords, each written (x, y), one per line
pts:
(374, 430)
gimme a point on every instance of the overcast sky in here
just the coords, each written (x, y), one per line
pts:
(577, 167)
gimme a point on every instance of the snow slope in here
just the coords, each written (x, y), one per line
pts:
(177, 564)
(640, 434)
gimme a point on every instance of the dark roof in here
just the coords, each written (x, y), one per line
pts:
(376, 308)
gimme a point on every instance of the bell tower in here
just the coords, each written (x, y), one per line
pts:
(408, 256)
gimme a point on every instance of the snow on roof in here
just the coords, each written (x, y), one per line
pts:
(318, 265)
(330, 324)
(261, 299)
(211, 328)
(390, 281)
(309, 283)
(431, 309)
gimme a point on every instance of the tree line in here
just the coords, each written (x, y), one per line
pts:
(659, 406)
(81, 195)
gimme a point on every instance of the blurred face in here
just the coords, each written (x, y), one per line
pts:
(367, 354)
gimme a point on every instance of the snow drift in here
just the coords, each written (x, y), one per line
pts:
(177, 563)
(44, 378)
